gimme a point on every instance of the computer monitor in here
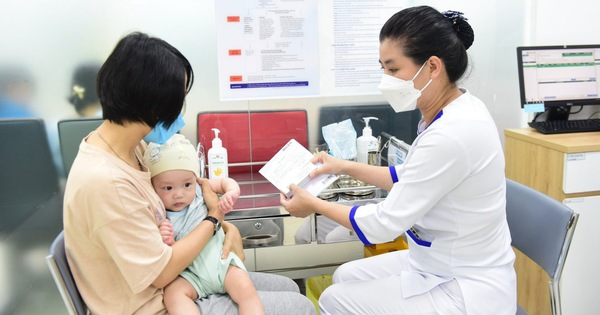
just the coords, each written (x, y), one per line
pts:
(559, 77)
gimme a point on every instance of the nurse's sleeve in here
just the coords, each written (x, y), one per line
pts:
(434, 167)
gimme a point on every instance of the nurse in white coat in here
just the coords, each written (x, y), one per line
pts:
(448, 196)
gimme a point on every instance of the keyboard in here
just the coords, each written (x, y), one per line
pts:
(566, 126)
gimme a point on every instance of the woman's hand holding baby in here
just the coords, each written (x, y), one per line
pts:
(211, 199)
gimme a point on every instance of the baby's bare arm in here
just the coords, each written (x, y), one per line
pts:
(230, 191)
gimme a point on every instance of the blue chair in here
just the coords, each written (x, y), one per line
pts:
(61, 273)
(70, 134)
(29, 178)
(30, 207)
(542, 229)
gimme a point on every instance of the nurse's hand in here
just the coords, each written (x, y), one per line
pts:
(331, 165)
(232, 242)
(301, 204)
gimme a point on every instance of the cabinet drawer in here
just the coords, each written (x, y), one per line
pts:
(581, 172)
(306, 255)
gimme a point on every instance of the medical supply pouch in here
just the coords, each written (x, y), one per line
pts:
(341, 139)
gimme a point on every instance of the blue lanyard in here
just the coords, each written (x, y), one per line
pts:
(434, 119)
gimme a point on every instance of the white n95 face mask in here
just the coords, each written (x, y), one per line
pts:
(401, 94)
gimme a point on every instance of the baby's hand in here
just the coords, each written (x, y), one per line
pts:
(166, 231)
(227, 200)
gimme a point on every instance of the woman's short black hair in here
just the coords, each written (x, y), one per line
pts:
(422, 32)
(144, 79)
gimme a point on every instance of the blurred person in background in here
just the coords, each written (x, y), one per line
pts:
(16, 91)
(82, 93)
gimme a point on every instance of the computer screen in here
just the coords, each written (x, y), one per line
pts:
(555, 78)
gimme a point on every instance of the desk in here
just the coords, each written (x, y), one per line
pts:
(565, 167)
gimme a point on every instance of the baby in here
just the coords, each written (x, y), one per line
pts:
(174, 168)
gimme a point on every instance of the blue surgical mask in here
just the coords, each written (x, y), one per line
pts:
(160, 134)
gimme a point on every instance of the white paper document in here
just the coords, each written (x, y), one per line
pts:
(267, 49)
(292, 165)
(300, 48)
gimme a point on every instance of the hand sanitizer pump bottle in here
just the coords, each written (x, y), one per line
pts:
(217, 158)
(367, 146)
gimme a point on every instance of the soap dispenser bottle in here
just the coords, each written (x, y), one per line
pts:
(217, 158)
(367, 145)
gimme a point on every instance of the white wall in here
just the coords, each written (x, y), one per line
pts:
(498, 27)
(555, 23)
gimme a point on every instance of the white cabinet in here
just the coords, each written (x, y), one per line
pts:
(579, 286)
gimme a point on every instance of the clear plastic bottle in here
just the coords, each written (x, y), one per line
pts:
(217, 158)
(367, 146)
(201, 160)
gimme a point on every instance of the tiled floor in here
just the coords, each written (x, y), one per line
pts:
(42, 298)
(26, 286)
(25, 280)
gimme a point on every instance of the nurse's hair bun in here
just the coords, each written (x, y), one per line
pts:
(461, 27)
